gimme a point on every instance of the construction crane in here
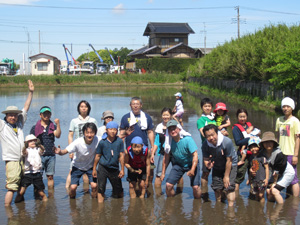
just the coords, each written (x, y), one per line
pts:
(100, 67)
(71, 67)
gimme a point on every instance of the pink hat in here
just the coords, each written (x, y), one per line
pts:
(220, 105)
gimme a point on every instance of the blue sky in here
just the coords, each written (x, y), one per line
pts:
(119, 23)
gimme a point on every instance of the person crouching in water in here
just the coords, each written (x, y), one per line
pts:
(259, 165)
(137, 161)
(109, 153)
(83, 161)
(32, 152)
(282, 171)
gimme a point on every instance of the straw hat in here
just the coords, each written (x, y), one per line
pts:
(12, 109)
(268, 136)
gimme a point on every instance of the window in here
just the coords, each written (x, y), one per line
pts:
(178, 40)
(42, 66)
(165, 42)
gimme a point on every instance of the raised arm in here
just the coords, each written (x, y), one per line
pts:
(57, 132)
(30, 95)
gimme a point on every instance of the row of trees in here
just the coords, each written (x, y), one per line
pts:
(91, 56)
(271, 54)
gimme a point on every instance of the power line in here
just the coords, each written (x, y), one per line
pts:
(270, 11)
(115, 9)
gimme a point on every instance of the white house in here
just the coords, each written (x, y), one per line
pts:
(44, 64)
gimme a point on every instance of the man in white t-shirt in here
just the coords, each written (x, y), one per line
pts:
(85, 149)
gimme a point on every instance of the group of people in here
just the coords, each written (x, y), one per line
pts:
(101, 154)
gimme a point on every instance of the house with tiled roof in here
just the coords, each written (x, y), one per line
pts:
(166, 40)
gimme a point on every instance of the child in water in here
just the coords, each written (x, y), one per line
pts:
(221, 118)
(137, 161)
(32, 152)
(178, 108)
(259, 165)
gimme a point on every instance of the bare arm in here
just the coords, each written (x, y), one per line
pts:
(191, 172)
(30, 95)
(296, 150)
(151, 137)
(60, 152)
(267, 174)
(148, 167)
(227, 172)
(57, 132)
(201, 132)
(154, 149)
(121, 160)
(70, 137)
(166, 162)
(96, 160)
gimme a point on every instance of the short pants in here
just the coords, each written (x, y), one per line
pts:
(48, 164)
(134, 177)
(177, 172)
(217, 179)
(13, 174)
(33, 178)
(77, 173)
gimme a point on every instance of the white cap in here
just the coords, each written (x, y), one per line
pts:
(289, 102)
(30, 137)
(178, 94)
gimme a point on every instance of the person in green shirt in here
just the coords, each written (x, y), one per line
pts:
(206, 118)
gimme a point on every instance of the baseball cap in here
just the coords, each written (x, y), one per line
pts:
(171, 123)
(178, 94)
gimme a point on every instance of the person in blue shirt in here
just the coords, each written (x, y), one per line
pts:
(185, 160)
(109, 153)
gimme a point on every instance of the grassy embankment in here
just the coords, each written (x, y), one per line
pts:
(93, 80)
(269, 55)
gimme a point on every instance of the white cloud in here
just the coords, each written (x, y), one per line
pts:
(119, 9)
(21, 2)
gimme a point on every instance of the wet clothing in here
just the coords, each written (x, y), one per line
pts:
(110, 152)
(104, 173)
(138, 130)
(218, 183)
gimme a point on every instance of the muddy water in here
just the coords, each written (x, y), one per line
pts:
(156, 209)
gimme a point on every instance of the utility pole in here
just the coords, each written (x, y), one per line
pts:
(204, 36)
(238, 20)
(39, 41)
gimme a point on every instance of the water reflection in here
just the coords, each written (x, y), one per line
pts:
(157, 209)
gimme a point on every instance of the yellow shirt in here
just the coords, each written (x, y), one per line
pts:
(287, 131)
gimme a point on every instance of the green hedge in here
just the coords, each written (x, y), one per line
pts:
(165, 65)
(271, 54)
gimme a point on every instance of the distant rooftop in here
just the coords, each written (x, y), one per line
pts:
(175, 28)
